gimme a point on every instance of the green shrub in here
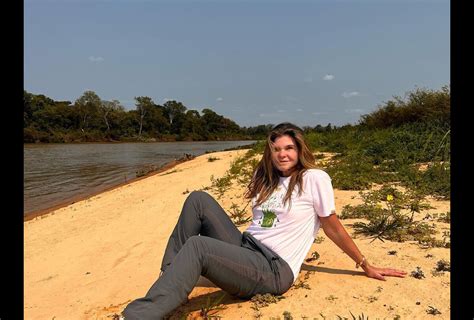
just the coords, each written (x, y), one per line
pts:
(390, 215)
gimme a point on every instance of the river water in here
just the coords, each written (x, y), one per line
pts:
(57, 173)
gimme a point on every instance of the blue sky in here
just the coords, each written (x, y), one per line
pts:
(255, 62)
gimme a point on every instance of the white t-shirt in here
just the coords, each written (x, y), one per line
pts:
(290, 232)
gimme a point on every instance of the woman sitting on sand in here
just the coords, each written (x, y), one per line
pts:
(291, 199)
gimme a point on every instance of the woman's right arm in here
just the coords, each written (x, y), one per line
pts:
(335, 231)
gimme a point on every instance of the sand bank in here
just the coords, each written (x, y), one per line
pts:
(89, 259)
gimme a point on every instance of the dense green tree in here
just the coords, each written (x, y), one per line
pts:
(87, 106)
(128, 124)
(218, 126)
(193, 126)
(173, 109)
(32, 104)
(156, 123)
(144, 105)
(107, 108)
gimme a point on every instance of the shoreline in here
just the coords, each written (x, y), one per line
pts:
(42, 212)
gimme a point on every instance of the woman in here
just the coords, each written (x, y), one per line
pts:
(291, 199)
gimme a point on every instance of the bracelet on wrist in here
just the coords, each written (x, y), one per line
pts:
(363, 262)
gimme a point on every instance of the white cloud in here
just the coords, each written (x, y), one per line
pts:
(328, 77)
(281, 110)
(96, 59)
(219, 99)
(167, 99)
(350, 94)
(299, 110)
(319, 113)
(308, 79)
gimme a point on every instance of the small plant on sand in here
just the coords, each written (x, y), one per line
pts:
(392, 252)
(237, 215)
(443, 265)
(318, 239)
(212, 307)
(430, 242)
(445, 217)
(418, 273)
(301, 283)
(360, 317)
(212, 159)
(221, 185)
(440, 217)
(432, 310)
(263, 300)
(287, 315)
(314, 256)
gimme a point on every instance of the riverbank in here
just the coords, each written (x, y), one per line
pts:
(88, 260)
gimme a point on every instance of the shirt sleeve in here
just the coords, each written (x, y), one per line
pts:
(323, 194)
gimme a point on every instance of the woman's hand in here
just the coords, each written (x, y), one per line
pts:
(335, 231)
(379, 273)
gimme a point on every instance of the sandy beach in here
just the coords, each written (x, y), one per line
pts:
(89, 259)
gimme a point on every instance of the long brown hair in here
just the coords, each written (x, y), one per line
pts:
(266, 176)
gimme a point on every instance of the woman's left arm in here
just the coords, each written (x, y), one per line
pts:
(335, 231)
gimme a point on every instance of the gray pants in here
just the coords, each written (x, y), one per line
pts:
(206, 242)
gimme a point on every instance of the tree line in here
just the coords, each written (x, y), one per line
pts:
(91, 119)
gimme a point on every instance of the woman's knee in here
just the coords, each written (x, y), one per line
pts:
(197, 195)
(203, 199)
(198, 245)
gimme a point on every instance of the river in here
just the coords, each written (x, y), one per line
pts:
(56, 174)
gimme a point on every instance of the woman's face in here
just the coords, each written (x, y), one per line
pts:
(285, 154)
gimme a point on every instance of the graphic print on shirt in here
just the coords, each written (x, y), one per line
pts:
(269, 218)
